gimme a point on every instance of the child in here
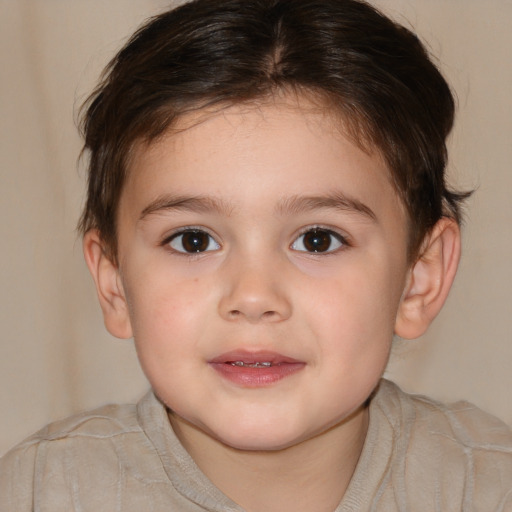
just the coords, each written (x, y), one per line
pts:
(266, 208)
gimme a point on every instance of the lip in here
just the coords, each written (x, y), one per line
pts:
(254, 377)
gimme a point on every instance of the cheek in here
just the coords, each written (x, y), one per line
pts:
(165, 310)
(357, 305)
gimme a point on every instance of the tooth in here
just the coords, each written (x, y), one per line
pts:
(264, 364)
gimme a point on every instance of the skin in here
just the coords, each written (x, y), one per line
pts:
(256, 180)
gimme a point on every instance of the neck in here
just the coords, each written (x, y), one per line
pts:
(311, 475)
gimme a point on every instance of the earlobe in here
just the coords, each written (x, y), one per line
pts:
(108, 286)
(429, 280)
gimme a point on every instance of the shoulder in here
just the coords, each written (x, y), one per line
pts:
(66, 451)
(464, 420)
(105, 422)
(461, 423)
(458, 449)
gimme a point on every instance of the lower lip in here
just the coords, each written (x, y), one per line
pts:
(256, 377)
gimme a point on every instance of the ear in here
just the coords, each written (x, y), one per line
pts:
(108, 286)
(429, 280)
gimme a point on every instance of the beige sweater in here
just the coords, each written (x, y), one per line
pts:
(418, 456)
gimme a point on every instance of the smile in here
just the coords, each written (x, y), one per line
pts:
(255, 369)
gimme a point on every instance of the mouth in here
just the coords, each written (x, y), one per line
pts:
(255, 369)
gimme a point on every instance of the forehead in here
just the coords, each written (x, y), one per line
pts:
(296, 146)
(315, 110)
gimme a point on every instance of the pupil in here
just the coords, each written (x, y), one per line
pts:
(195, 241)
(317, 241)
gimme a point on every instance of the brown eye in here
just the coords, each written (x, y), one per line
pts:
(318, 240)
(193, 241)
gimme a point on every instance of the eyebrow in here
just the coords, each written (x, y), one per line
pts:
(186, 203)
(332, 201)
(289, 206)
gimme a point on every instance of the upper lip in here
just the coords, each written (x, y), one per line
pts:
(251, 357)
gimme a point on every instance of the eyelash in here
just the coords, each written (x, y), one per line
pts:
(340, 239)
(183, 231)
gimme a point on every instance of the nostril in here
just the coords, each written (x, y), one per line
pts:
(266, 315)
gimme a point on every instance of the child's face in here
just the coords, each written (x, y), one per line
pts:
(256, 191)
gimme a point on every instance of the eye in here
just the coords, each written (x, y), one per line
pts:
(192, 241)
(318, 240)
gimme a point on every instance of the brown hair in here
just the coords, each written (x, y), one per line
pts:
(375, 73)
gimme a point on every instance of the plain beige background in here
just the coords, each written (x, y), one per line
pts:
(55, 356)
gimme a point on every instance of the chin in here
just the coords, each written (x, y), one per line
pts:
(258, 438)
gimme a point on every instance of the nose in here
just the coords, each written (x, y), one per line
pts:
(254, 292)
